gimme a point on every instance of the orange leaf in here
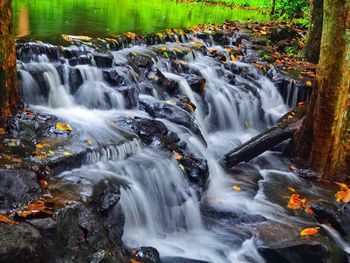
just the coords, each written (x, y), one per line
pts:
(309, 211)
(295, 202)
(342, 186)
(309, 231)
(2, 131)
(343, 195)
(43, 183)
(38, 154)
(177, 156)
(7, 220)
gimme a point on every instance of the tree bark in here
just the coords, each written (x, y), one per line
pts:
(8, 72)
(273, 8)
(313, 42)
(326, 128)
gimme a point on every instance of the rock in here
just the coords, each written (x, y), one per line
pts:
(195, 82)
(326, 212)
(196, 170)
(181, 260)
(17, 188)
(103, 60)
(130, 95)
(174, 114)
(83, 234)
(312, 252)
(75, 80)
(113, 78)
(20, 243)
(31, 51)
(146, 255)
(141, 61)
(307, 174)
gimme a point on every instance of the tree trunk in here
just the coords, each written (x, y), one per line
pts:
(313, 43)
(8, 72)
(273, 8)
(326, 128)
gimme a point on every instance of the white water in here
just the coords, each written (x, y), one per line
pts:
(160, 208)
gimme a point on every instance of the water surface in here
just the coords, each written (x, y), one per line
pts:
(47, 18)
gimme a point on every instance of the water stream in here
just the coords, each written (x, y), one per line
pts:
(161, 207)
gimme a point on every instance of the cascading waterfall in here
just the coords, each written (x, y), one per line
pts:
(160, 206)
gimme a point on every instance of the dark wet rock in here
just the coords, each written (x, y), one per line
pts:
(154, 132)
(196, 83)
(20, 243)
(195, 169)
(146, 255)
(31, 51)
(221, 37)
(141, 61)
(113, 78)
(83, 234)
(130, 95)
(230, 217)
(326, 212)
(311, 252)
(174, 114)
(307, 174)
(103, 60)
(17, 188)
(75, 80)
(181, 260)
(184, 103)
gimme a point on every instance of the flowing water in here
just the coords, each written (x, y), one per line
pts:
(161, 208)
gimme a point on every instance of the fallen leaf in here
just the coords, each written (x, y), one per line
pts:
(295, 202)
(43, 183)
(342, 186)
(89, 142)
(309, 211)
(309, 231)
(36, 208)
(67, 153)
(51, 152)
(2, 131)
(308, 83)
(6, 220)
(63, 126)
(39, 154)
(343, 195)
(291, 189)
(292, 167)
(182, 167)
(233, 58)
(177, 156)
(236, 188)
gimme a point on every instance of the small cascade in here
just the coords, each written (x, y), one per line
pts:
(207, 107)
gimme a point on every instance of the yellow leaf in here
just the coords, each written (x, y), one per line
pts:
(130, 35)
(263, 32)
(292, 167)
(67, 153)
(236, 188)
(63, 126)
(233, 58)
(89, 142)
(342, 186)
(308, 83)
(160, 35)
(51, 152)
(291, 189)
(309, 231)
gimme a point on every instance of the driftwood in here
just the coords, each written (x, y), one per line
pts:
(284, 129)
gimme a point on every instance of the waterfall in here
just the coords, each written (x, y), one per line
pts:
(161, 207)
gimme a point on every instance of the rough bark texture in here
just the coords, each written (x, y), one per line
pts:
(313, 43)
(273, 8)
(325, 131)
(8, 73)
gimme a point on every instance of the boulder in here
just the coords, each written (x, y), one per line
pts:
(145, 255)
(17, 188)
(103, 60)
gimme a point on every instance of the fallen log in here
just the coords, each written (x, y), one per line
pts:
(284, 129)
